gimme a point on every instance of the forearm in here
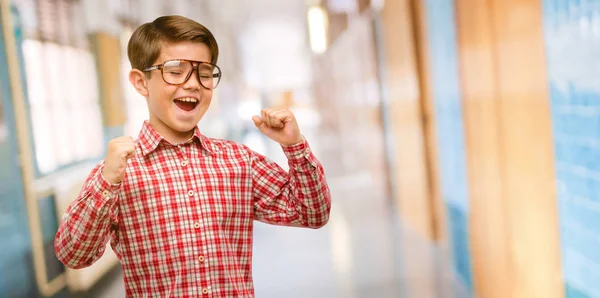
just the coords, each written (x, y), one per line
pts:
(308, 186)
(86, 225)
(298, 198)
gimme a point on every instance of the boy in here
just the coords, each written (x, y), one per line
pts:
(178, 206)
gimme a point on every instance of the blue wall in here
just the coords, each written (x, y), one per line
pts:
(16, 274)
(450, 130)
(572, 35)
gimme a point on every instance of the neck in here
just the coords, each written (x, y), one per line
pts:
(170, 135)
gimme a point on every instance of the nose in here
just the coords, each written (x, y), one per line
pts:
(192, 83)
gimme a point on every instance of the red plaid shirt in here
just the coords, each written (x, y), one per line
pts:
(181, 221)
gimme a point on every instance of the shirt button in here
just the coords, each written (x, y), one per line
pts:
(191, 193)
(106, 194)
(204, 291)
(197, 225)
(201, 258)
(184, 163)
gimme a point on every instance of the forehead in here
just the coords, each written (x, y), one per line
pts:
(184, 50)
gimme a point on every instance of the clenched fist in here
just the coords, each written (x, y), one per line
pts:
(279, 125)
(119, 150)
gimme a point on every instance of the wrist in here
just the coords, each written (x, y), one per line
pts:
(296, 142)
(109, 178)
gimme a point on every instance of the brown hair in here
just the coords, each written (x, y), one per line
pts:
(146, 42)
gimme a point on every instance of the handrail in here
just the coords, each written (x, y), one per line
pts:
(47, 288)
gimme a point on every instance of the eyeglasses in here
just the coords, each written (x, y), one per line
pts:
(179, 71)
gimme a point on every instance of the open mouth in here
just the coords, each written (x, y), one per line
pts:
(186, 103)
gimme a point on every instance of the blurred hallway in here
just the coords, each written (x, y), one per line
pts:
(460, 139)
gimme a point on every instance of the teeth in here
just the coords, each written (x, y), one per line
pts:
(187, 99)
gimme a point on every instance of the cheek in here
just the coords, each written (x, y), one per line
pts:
(166, 95)
(207, 96)
(162, 95)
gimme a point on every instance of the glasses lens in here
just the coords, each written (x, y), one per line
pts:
(209, 75)
(175, 72)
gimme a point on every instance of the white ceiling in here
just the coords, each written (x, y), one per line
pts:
(270, 38)
(241, 12)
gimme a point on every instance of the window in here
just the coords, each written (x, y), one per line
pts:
(63, 97)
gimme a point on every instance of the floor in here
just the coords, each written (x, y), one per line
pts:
(362, 252)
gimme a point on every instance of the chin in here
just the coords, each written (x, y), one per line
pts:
(184, 126)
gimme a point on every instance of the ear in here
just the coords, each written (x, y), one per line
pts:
(139, 82)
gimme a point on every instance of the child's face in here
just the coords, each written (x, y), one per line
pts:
(168, 114)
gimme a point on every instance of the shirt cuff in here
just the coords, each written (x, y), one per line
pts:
(297, 152)
(102, 190)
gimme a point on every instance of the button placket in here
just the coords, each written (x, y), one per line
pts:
(185, 160)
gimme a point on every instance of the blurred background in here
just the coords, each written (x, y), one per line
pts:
(460, 138)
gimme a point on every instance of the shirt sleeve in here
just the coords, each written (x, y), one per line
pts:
(89, 222)
(300, 197)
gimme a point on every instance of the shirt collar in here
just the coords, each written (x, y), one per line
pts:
(149, 139)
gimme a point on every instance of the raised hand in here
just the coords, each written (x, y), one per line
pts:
(279, 125)
(119, 150)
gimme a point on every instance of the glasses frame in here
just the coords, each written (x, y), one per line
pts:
(189, 75)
